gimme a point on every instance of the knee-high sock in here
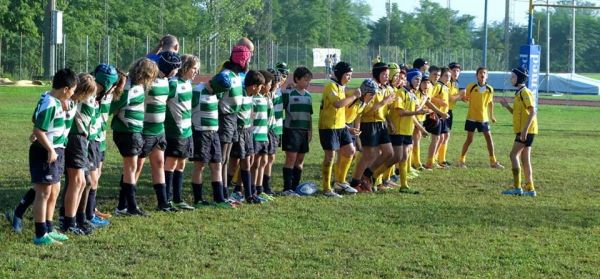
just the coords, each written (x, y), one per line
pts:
(25, 202)
(130, 190)
(529, 186)
(197, 191)
(122, 196)
(177, 186)
(326, 170)
(288, 178)
(380, 170)
(404, 173)
(161, 195)
(442, 153)
(342, 168)
(297, 177)
(218, 195)
(416, 156)
(516, 177)
(246, 178)
(169, 184)
(492, 159)
(387, 175)
(91, 205)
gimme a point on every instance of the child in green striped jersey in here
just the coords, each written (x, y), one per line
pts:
(46, 154)
(155, 141)
(178, 127)
(127, 125)
(275, 128)
(297, 129)
(262, 113)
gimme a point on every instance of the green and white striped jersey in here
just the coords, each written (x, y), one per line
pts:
(244, 116)
(260, 116)
(49, 117)
(277, 125)
(70, 114)
(83, 117)
(228, 86)
(156, 108)
(104, 113)
(95, 124)
(178, 121)
(205, 109)
(129, 110)
(298, 110)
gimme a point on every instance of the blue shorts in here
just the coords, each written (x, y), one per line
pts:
(471, 126)
(450, 120)
(93, 155)
(436, 126)
(179, 147)
(153, 142)
(207, 147)
(42, 172)
(243, 144)
(374, 134)
(333, 139)
(273, 143)
(295, 140)
(528, 142)
(399, 140)
(76, 153)
(129, 144)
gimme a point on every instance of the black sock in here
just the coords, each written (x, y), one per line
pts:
(354, 182)
(25, 202)
(91, 205)
(130, 195)
(236, 187)
(229, 180)
(267, 184)
(80, 218)
(40, 229)
(49, 226)
(259, 189)
(368, 172)
(161, 195)
(246, 178)
(122, 196)
(288, 178)
(297, 177)
(63, 193)
(169, 184)
(218, 195)
(177, 186)
(197, 191)
(68, 222)
(225, 191)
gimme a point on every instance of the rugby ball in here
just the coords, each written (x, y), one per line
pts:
(306, 188)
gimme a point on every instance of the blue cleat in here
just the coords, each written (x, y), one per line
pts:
(98, 222)
(513, 192)
(238, 197)
(16, 222)
(530, 193)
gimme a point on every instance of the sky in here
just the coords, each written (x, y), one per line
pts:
(496, 9)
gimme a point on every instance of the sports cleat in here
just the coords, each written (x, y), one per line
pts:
(121, 212)
(75, 231)
(254, 200)
(98, 222)
(446, 164)
(233, 202)
(428, 167)
(408, 190)
(45, 240)
(182, 205)
(266, 196)
(344, 187)
(167, 208)
(58, 236)
(496, 165)
(461, 165)
(383, 188)
(138, 212)
(260, 198)
(530, 193)
(102, 215)
(237, 196)
(513, 192)
(289, 193)
(366, 183)
(332, 194)
(15, 222)
(225, 205)
(202, 204)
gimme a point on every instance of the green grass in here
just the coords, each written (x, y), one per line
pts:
(460, 226)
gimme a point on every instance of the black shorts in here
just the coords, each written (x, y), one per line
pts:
(153, 142)
(333, 139)
(207, 147)
(374, 134)
(450, 120)
(76, 153)
(273, 143)
(227, 127)
(261, 147)
(295, 140)
(436, 126)
(399, 140)
(243, 144)
(471, 126)
(102, 156)
(528, 142)
(93, 155)
(179, 147)
(42, 172)
(129, 144)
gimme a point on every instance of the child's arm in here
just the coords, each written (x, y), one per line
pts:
(45, 142)
(505, 104)
(525, 130)
(419, 126)
(348, 100)
(388, 99)
(491, 111)
(435, 109)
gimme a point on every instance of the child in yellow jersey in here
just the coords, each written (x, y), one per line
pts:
(422, 98)
(374, 135)
(454, 94)
(480, 96)
(333, 133)
(525, 126)
(436, 123)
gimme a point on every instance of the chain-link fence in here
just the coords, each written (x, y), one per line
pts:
(21, 55)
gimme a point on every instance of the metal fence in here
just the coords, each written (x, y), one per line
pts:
(21, 55)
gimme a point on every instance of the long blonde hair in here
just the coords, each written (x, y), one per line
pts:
(85, 88)
(187, 62)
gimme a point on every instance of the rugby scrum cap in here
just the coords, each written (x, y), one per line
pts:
(168, 61)
(378, 68)
(368, 86)
(453, 65)
(240, 55)
(106, 75)
(521, 74)
(276, 74)
(282, 67)
(394, 70)
(412, 74)
(342, 68)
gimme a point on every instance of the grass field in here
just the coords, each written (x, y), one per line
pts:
(460, 226)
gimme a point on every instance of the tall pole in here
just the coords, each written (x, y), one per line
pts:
(506, 34)
(49, 50)
(530, 25)
(547, 48)
(485, 34)
(573, 41)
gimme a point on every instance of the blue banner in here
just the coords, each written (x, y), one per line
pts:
(529, 58)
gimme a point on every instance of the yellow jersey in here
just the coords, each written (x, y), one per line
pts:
(332, 117)
(354, 110)
(479, 98)
(421, 99)
(453, 90)
(379, 114)
(440, 91)
(523, 101)
(406, 101)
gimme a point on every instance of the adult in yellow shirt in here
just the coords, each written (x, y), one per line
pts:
(333, 133)
(525, 126)
(480, 97)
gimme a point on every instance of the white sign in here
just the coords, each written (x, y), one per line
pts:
(57, 27)
(319, 55)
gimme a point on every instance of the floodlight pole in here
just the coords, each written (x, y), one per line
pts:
(573, 41)
(530, 25)
(485, 34)
(49, 49)
(547, 48)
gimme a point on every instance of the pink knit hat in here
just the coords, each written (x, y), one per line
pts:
(240, 55)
